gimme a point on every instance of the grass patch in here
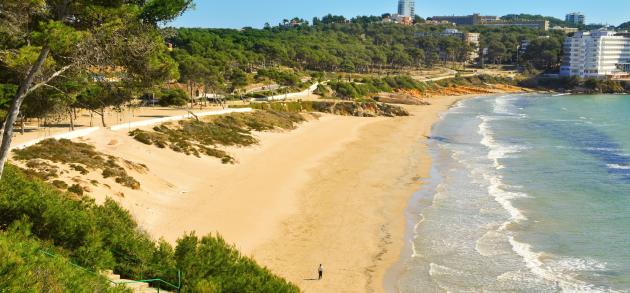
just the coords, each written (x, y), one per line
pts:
(197, 138)
(40, 169)
(80, 157)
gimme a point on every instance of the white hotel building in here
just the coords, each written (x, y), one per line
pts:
(595, 54)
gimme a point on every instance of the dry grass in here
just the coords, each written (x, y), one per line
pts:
(197, 138)
(80, 157)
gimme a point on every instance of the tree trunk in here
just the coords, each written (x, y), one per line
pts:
(72, 119)
(14, 109)
(103, 117)
(22, 124)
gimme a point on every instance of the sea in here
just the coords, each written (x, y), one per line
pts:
(527, 193)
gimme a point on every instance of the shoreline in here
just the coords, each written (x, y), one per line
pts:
(396, 269)
(355, 224)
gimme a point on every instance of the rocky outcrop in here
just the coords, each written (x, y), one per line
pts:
(400, 98)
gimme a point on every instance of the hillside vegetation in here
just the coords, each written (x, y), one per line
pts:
(26, 263)
(227, 60)
(99, 237)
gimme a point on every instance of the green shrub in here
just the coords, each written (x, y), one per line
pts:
(173, 97)
(322, 90)
(107, 237)
(286, 78)
(60, 184)
(79, 169)
(28, 266)
(76, 189)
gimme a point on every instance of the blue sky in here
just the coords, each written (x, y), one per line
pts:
(254, 13)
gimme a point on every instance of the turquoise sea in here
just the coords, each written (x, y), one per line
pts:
(527, 193)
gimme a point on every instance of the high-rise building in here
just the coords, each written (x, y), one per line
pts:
(599, 53)
(575, 18)
(407, 8)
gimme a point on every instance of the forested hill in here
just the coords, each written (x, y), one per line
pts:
(356, 46)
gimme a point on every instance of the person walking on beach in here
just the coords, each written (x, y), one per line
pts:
(320, 271)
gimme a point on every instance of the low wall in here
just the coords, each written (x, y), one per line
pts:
(66, 135)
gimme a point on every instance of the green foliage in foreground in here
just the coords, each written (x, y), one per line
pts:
(194, 137)
(25, 265)
(106, 236)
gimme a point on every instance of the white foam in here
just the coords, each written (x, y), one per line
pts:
(559, 276)
(580, 264)
(503, 106)
(588, 149)
(414, 252)
(490, 243)
(619, 167)
(415, 227)
(436, 270)
(504, 198)
(439, 193)
(497, 150)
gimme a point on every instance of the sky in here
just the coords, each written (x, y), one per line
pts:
(255, 13)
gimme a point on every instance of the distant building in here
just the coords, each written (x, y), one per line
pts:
(566, 30)
(492, 21)
(407, 8)
(534, 24)
(575, 18)
(399, 19)
(438, 22)
(599, 54)
(474, 19)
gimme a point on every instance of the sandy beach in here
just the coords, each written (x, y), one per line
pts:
(333, 191)
(351, 211)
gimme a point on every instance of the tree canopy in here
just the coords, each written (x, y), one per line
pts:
(45, 43)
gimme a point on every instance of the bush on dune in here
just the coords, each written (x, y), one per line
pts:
(193, 137)
(80, 157)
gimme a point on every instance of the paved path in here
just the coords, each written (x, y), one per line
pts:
(128, 126)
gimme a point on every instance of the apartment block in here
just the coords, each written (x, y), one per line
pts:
(599, 54)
